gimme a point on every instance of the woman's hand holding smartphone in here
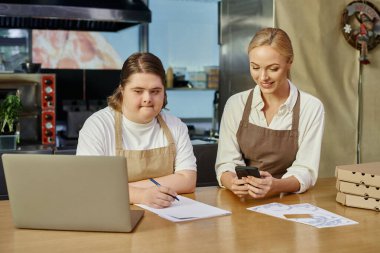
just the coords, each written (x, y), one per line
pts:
(245, 171)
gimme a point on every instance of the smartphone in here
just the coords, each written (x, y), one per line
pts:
(245, 171)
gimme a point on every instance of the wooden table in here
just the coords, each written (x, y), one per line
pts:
(243, 231)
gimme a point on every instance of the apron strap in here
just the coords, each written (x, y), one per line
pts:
(167, 133)
(118, 133)
(247, 110)
(248, 105)
(119, 136)
(296, 113)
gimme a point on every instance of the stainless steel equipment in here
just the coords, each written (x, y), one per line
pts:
(239, 21)
(86, 15)
(37, 94)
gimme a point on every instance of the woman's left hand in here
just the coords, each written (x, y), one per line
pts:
(259, 187)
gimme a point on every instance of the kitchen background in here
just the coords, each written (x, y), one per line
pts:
(184, 34)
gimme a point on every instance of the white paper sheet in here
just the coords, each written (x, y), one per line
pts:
(187, 209)
(321, 218)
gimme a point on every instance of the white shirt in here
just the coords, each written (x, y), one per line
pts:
(97, 137)
(311, 125)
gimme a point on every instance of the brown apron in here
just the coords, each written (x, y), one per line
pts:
(267, 149)
(144, 164)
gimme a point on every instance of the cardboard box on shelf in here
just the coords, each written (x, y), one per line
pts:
(358, 201)
(358, 189)
(212, 77)
(365, 173)
(198, 79)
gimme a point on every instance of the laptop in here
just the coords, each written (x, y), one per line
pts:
(68, 192)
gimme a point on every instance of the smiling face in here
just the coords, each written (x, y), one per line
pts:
(269, 69)
(143, 97)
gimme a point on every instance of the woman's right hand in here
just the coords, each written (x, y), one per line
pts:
(158, 197)
(231, 182)
(237, 186)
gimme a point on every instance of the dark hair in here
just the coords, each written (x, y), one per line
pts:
(137, 63)
(277, 39)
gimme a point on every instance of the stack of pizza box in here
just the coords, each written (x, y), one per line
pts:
(359, 185)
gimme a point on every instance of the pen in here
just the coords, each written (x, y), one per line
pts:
(158, 184)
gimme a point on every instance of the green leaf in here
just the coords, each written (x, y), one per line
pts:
(10, 109)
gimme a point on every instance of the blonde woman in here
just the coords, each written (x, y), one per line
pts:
(274, 126)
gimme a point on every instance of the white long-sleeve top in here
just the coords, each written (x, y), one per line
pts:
(311, 126)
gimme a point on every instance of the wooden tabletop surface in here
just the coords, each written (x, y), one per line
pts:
(243, 231)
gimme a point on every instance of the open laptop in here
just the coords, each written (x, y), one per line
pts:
(68, 192)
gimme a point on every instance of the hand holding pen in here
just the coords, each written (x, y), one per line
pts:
(158, 184)
(157, 196)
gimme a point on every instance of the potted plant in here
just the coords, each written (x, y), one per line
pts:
(10, 109)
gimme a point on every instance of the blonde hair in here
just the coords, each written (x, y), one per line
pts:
(137, 63)
(277, 39)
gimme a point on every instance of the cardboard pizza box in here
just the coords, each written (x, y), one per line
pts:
(365, 173)
(358, 189)
(358, 201)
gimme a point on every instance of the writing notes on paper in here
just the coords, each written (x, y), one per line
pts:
(186, 209)
(304, 213)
